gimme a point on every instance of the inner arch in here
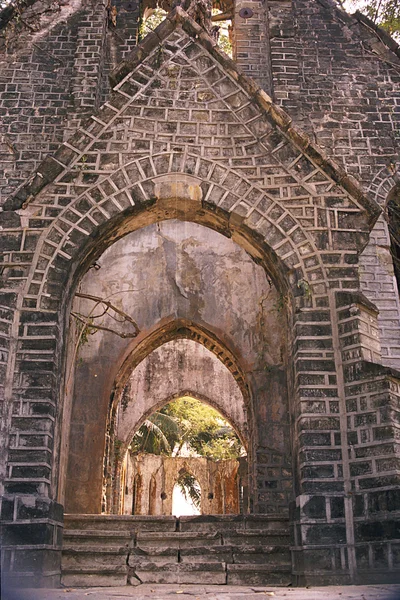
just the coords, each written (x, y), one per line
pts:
(177, 368)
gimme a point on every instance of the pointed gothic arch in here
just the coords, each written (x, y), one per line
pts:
(237, 408)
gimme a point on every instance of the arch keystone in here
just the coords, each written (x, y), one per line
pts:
(178, 185)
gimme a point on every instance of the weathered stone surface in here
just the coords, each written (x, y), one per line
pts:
(256, 574)
(172, 556)
(203, 592)
(184, 136)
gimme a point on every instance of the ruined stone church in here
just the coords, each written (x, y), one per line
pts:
(178, 222)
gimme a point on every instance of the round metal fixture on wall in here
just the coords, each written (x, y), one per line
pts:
(246, 13)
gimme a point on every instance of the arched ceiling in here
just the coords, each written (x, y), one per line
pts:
(179, 270)
(177, 368)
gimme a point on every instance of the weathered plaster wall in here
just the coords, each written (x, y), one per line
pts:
(176, 270)
(157, 475)
(171, 370)
(184, 270)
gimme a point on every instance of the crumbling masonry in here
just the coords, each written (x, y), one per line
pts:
(233, 215)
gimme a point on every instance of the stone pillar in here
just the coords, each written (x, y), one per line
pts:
(251, 42)
(348, 462)
(31, 537)
(272, 468)
(31, 521)
(372, 400)
(320, 549)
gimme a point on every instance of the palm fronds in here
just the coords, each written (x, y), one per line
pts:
(157, 435)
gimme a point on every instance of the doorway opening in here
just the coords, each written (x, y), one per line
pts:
(186, 495)
(212, 326)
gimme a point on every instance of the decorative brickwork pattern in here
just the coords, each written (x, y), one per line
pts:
(182, 119)
(349, 96)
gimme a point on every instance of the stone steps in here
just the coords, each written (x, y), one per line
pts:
(124, 523)
(204, 573)
(95, 538)
(177, 539)
(109, 550)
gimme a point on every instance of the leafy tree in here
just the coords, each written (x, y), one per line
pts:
(157, 15)
(187, 424)
(148, 24)
(222, 448)
(385, 13)
(204, 431)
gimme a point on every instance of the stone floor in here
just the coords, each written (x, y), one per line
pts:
(212, 592)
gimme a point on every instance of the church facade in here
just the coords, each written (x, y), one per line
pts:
(181, 222)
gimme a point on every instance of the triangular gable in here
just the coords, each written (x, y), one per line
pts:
(178, 92)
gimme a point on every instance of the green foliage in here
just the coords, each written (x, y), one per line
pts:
(222, 448)
(87, 329)
(281, 303)
(305, 287)
(204, 431)
(148, 25)
(385, 13)
(158, 435)
(157, 16)
(224, 42)
(187, 424)
(117, 447)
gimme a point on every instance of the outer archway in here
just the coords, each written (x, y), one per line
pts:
(274, 192)
(241, 323)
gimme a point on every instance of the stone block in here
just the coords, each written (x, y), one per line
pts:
(93, 558)
(114, 577)
(314, 507)
(203, 573)
(203, 523)
(160, 556)
(277, 556)
(177, 540)
(257, 538)
(206, 554)
(123, 523)
(257, 574)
